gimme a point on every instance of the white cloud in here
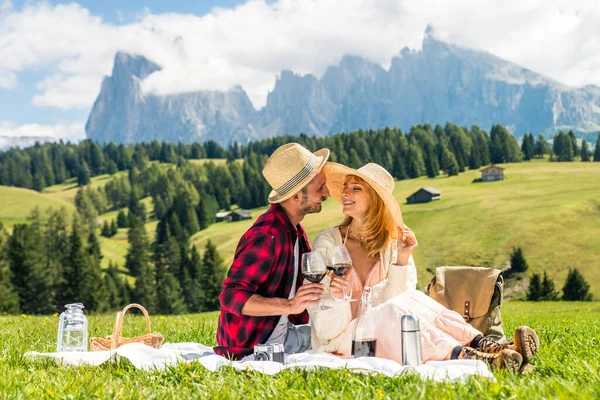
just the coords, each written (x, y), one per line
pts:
(252, 43)
(8, 79)
(69, 130)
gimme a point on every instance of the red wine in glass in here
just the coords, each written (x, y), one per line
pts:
(314, 277)
(364, 348)
(340, 269)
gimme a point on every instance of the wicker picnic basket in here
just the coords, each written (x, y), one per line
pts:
(152, 339)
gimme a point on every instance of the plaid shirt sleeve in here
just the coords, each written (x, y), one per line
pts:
(254, 258)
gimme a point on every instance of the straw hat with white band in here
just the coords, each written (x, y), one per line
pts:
(375, 175)
(290, 168)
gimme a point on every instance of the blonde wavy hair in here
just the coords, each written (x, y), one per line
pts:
(379, 228)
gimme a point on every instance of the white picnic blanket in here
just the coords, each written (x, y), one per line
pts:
(147, 358)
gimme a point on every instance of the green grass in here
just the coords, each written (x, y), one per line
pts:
(566, 366)
(67, 191)
(17, 204)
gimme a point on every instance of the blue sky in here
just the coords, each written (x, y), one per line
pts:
(15, 105)
(123, 11)
(54, 54)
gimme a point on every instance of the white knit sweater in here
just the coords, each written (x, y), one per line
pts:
(329, 325)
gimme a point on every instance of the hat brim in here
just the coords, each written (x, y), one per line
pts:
(336, 175)
(323, 156)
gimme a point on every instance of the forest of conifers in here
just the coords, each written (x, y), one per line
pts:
(52, 260)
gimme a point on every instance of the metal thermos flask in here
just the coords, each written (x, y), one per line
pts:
(411, 341)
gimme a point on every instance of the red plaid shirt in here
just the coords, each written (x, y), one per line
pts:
(262, 265)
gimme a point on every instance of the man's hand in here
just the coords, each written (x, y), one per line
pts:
(306, 296)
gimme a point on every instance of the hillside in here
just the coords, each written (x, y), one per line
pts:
(17, 204)
(551, 210)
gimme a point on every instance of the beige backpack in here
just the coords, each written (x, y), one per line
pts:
(476, 293)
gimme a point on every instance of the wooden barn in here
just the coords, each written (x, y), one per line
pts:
(239, 215)
(424, 195)
(231, 216)
(224, 216)
(492, 173)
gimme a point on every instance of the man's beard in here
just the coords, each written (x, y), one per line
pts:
(312, 208)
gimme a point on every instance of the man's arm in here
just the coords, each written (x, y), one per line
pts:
(251, 267)
(306, 296)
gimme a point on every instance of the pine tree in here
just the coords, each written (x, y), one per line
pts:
(122, 219)
(354, 160)
(517, 261)
(135, 208)
(206, 210)
(541, 147)
(112, 291)
(9, 300)
(535, 288)
(39, 182)
(83, 174)
(585, 151)
(528, 147)
(475, 158)
(563, 147)
(111, 167)
(193, 291)
(31, 280)
(76, 265)
(105, 229)
(448, 162)
(85, 207)
(597, 150)
(211, 277)
(114, 229)
(415, 166)
(576, 287)
(57, 251)
(93, 292)
(504, 147)
(573, 140)
(548, 292)
(138, 263)
(94, 246)
(139, 247)
(169, 295)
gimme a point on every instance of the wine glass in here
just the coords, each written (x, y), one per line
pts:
(314, 268)
(340, 263)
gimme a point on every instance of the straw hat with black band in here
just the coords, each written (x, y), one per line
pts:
(375, 175)
(290, 168)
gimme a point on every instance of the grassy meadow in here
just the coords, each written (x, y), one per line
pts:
(551, 210)
(566, 367)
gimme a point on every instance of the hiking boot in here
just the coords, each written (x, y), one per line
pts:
(486, 344)
(506, 359)
(526, 343)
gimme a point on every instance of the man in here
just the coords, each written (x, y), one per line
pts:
(263, 299)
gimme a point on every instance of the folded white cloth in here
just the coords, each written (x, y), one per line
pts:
(147, 358)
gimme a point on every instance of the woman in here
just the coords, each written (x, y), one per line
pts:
(381, 253)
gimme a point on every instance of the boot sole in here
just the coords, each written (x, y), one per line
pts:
(528, 342)
(512, 361)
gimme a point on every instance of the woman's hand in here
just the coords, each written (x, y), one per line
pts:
(337, 284)
(407, 243)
